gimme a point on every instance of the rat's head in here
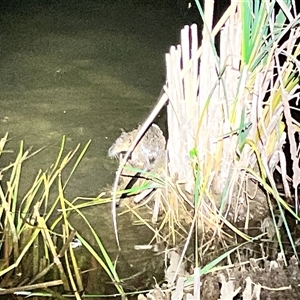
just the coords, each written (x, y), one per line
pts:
(122, 143)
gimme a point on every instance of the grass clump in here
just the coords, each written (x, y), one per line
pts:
(38, 238)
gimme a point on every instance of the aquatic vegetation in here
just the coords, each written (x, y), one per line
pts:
(38, 238)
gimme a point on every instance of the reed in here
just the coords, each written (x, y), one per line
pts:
(238, 108)
(229, 116)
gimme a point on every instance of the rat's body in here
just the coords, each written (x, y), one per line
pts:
(149, 149)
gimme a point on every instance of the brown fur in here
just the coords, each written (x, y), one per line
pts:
(148, 150)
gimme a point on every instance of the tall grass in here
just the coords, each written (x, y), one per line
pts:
(36, 241)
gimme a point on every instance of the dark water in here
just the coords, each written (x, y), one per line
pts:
(83, 70)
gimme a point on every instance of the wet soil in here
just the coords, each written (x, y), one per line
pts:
(251, 279)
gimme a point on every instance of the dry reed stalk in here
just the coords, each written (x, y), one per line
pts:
(212, 107)
(229, 61)
(195, 117)
(189, 85)
(182, 110)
